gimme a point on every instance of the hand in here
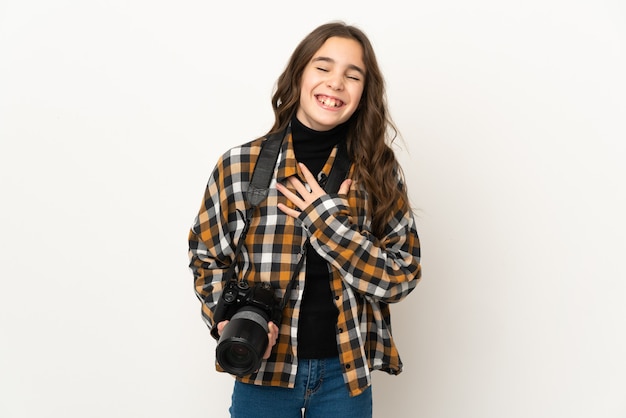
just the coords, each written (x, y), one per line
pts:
(220, 327)
(304, 197)
(272, 337)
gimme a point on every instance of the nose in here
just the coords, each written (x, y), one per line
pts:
(335, 82)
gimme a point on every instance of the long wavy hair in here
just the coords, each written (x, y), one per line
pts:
(371, 130)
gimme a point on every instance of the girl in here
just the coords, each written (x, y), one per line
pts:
(361, 248)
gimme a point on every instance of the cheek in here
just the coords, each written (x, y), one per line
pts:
(357, 95)
(307, 82)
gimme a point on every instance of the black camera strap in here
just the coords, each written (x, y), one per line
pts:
(264, 168)
(259, 189)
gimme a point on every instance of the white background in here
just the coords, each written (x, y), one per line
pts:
(113, 113)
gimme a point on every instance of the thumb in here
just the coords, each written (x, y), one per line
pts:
(345, 186)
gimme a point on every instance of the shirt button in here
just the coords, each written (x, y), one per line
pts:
(340, 330)
(347, 366)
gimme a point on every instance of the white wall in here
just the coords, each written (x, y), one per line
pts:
(112, 115)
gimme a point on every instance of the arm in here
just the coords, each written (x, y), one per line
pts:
(387, 269)
(212, 241)
(211, 245)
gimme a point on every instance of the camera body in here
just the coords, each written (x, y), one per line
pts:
(243, 340)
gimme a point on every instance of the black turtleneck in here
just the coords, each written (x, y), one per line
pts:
(318, 313)
(314, 147)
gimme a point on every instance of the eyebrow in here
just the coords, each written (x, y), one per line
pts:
(332, 61)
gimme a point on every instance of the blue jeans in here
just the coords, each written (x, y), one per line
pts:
(319, 392)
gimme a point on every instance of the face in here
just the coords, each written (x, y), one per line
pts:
(332, 84)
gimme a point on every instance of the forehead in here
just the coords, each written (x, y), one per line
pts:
(342, 51)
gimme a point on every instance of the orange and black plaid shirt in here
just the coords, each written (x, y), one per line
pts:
(367, 273)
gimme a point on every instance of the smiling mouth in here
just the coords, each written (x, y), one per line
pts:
(329, 101)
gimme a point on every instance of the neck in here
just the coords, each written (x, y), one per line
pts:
(314, 147)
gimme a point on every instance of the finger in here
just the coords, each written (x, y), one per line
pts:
(288, 211)
(302, 190)
(305, 170)
(268, 351)
(273, 328)
(345, 186)
(293, 198)
(309, 177)
(220, 326)
(273, 332)
(287, 193)
(272, 336)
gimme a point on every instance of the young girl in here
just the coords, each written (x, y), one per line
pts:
(360, 243)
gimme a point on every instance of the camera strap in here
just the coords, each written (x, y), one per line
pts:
(259, 189)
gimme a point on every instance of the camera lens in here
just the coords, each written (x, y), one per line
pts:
(238, 354)
(243, 341)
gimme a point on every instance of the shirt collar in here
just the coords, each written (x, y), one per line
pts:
(288, 165)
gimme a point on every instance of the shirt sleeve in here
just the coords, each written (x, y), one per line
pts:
(386, 269)
(211, 239)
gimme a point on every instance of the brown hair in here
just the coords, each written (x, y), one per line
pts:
(371, 130)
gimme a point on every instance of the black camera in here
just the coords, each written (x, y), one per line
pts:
(243, 340)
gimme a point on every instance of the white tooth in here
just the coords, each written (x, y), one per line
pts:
(330, 102)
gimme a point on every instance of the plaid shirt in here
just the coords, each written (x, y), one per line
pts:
(367, 272)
